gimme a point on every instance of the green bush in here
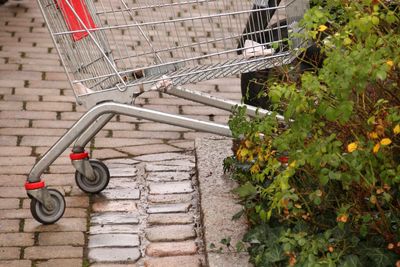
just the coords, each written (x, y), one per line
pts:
(322, 188)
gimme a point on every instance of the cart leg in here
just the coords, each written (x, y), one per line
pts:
(33, 181)
(79, 158)
(215, 101)
(115, 108)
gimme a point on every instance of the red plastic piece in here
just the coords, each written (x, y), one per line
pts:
(33, 186)
(79, 156)
(284, 160)
(72, 20)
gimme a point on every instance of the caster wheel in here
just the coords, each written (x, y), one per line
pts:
(97, 185)
(44, 216)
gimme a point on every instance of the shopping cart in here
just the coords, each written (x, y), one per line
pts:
(115, 50)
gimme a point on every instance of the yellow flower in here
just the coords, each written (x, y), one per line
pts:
(390, 63)
(386, 142)
(396, 129)
(255, 169)
(373, 135)
(293, 164)
(376, 148)
(352, 146)
(322, 28)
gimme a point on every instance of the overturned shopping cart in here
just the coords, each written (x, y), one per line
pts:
(115, 50)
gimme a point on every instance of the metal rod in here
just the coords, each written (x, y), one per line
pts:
(115, 108)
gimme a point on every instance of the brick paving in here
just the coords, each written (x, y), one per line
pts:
(148, 215)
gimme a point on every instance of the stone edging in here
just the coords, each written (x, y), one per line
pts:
(218, 204)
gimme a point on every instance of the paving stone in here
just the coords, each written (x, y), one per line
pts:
(12, 180)
(122, 161)
(113, 240)
(16, 263)
(114, 254)
(150, 167)
(13, 192)
(182, 261)
(171, 198)
(113, 265)
(75, 213)
(115, 218)
(145, 134)
(15, 214)
(60, 263)
(107, 153)
(114, 229)
(120, 205)
(15, 151)
(168, 208)
(164, 249)
(53, 252)
(9, 203)
(9, 226)
(186, 163)
(170, 188)
(122, 183)
(168, 176)
(163, 157)
(16, 239)
(123, 142)
(67, 238)
(147, 149)
(170, 233)
(123, 172)
(9, 253)
(119, 193)
(63, 225)
(170, 218)
(77, 202)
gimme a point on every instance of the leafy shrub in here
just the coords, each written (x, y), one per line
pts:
(322, 188)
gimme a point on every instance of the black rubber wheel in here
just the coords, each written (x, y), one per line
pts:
(99, 184)
(44, 216)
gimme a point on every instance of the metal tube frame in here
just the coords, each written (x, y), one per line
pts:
(112, 108)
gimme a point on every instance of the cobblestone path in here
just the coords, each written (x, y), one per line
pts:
(148, 216)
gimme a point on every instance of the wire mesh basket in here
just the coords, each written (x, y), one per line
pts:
(117, 44)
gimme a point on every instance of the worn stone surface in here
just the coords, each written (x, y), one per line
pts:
(171, 249)
(170, 198)
(114, 229)
(114, 254)
(53, 252)
(113, 240)
(121, 205)
(170, 218)
(61, 238)
(168, 176)
(186, 261)
(119, 193)
(171, 188)
(170, 233)
(218, 204)
(16, 263)
(115, 218)
(168, 208)
(9, 253)
(60, 263)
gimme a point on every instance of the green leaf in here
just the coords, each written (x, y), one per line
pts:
(351, 261)
(378, 256)
(246, 190)
(274, 254)
(237, 215)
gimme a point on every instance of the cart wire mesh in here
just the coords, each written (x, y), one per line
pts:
(117, 44)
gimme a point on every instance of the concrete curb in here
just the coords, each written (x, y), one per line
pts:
(218, 204)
